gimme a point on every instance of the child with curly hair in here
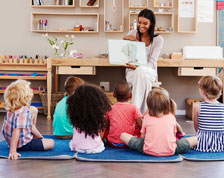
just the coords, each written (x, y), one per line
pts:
(19, 127)
(87, 108)
(62, 128)
(123, 116)
(158, 129)
(209, 116)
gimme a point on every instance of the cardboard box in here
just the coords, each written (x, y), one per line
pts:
(176, 56)
(189, 107)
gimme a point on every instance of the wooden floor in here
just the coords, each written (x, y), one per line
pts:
(72, 168)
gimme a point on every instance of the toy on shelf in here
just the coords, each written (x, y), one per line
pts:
(163, 4)
(22, 60)
(91, 2)
(42, 24)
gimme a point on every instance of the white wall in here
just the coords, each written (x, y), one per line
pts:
(16, 38)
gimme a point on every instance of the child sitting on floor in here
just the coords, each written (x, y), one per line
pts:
(158, 129)
(122, 117)
(209, 116)
(19, 127)
(180, 133)
(62, 128)
(87, 108)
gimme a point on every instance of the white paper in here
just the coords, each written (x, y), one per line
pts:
(205, 10)
(202, 52)
(125, 51)
(187, 8)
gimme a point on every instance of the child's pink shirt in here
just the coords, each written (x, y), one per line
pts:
(122, 119)
(160, 139)
(80, 142)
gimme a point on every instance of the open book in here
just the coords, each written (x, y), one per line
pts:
(125, 51)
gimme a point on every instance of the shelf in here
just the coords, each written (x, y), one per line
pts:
(2, 105)
(163, 4)
(187, 22)
(52, 4)
(34, 91)
(132, 16)
(58, 24)
(113, 16)
(83, 4)
(165, 20)
(138, 4)
(23, 77)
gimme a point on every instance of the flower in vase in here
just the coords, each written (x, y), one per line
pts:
(68, 40)
(53, 42)
(65, 43)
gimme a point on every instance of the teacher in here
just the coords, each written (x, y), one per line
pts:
(142, 77)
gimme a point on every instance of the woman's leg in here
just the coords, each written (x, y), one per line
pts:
(141, 79)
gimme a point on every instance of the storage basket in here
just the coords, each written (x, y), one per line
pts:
(190, 105)
(55, 98)
(111, 97)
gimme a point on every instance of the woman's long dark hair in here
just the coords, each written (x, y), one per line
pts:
(87, 108)
(148, 14)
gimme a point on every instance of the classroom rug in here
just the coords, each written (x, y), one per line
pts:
(193, 155)
(125, 155)
(61, 151)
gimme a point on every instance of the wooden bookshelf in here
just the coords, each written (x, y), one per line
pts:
(83, 4)
(52, 4)
(187, 24)
(57, 23)
(114, 15)
(137, 4)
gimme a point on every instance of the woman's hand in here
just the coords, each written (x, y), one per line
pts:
(130, 37)
(130, 66)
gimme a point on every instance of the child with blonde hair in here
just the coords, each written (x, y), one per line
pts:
(123, 116)
(62, 127)
(19, 127)
(87, 108)
(209, 116)
(158, 129)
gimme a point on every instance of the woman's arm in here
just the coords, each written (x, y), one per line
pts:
(130, 37)
(130, 66)
(13, 144)
(196, 110)
(155, 51)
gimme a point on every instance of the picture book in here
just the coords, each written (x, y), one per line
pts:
(122, 52)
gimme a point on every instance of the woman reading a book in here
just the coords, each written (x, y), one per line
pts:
(141, 77)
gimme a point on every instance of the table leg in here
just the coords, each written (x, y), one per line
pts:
(49, 85)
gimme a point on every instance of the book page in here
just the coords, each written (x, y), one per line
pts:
(125, 51)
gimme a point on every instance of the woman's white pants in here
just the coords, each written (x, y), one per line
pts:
(141, 79)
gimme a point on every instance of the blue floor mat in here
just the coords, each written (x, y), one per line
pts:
(193, 155)
(61, 151)
(125, 155)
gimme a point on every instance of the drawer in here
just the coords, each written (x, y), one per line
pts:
(76, 70)
(196, 71)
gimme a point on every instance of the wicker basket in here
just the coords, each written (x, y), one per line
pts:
(111, 97)
(55, 98)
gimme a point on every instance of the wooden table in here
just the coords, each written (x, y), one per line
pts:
(211, 63)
